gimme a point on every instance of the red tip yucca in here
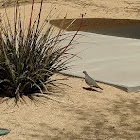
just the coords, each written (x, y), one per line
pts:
(28, 60)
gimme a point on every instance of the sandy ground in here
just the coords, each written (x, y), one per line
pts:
(83, 115)
(111, 114)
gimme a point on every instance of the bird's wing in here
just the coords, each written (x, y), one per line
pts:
(90, 81)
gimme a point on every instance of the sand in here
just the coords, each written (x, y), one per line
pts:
(112, 114)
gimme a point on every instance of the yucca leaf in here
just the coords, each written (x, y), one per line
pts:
(28, 60)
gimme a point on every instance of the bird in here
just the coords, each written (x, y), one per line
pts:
(90, 81)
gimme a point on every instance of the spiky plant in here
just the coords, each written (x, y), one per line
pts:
(28, 60)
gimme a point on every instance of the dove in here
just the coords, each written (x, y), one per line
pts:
(91, 82)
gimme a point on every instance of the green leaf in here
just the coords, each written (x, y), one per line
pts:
(4, 131)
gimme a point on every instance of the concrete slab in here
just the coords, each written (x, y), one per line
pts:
(108, 59)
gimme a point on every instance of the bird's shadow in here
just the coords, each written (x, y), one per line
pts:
(91, 89)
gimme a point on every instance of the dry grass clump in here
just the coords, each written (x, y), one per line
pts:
(29, 59)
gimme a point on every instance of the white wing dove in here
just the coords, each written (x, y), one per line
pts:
(90, 81)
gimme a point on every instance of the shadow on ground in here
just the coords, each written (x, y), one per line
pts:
(114, 27)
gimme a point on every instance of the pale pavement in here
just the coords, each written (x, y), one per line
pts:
(109, 59)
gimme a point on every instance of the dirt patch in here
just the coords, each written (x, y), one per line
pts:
(87, 115)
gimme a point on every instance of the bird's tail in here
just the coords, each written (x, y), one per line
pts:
(100, 88)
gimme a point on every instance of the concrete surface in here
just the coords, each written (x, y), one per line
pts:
(108, 59)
